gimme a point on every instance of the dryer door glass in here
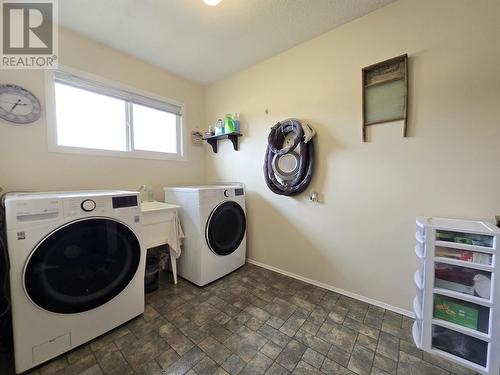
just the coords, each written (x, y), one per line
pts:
(82, 265)
(226, 228)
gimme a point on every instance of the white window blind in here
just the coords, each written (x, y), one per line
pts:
(96, 116)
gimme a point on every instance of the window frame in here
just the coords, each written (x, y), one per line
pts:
(130, 95)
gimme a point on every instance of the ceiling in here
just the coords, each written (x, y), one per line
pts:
(203, 43)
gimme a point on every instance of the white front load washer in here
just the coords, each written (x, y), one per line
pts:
(76, 269)
(213, 218)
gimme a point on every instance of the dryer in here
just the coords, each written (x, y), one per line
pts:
(76, 269)
(213, 218)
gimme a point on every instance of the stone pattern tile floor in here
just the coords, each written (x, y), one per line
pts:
(254, 321)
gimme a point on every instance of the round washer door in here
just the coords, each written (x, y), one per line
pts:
(226, 228)
(82, 265)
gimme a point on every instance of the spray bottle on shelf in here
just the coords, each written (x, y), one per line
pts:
(236, 121)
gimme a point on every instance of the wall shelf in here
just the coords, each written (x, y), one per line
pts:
(214, 139)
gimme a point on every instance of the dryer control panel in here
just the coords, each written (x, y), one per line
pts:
(229, 193)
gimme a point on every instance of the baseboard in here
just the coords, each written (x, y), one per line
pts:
(334, 289)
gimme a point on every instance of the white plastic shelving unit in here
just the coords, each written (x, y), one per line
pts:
(458, 322)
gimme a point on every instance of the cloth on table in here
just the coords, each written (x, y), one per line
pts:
(174, 242)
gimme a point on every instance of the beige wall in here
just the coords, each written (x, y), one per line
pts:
(26, 164)
(361, 238)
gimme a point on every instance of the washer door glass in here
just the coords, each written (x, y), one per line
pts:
(82, 265)
(226, 228)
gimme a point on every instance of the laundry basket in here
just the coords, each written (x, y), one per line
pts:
(152, 274)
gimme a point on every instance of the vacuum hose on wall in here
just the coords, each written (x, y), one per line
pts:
(289, 162)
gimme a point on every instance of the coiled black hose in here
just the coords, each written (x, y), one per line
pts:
(306, 158)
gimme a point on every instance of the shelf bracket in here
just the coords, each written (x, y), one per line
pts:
(213, 143)
(234, 140)
(214, 139)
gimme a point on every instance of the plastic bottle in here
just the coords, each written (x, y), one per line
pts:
(211, 130)
(219, 127)
(228, 124)
(150, 194)
(146, 193)
(236, 120)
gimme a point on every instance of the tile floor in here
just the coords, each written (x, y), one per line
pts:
(253, 321)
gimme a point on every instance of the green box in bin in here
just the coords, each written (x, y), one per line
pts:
(453, 311)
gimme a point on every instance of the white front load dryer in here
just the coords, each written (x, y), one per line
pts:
(213, 218)
(76, 269)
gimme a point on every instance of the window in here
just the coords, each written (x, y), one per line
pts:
(91, 117)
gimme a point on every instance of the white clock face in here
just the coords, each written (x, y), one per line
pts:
(18, 105)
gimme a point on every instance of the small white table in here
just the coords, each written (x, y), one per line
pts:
(156, 217)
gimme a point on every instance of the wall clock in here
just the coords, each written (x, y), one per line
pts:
(18, 105)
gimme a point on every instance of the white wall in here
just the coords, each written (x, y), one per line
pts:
(361, 238)
(26, 164)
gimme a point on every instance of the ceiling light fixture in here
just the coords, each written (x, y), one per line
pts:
(212, 3)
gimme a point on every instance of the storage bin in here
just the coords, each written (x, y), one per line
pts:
(420, 230)
(420, 250)
(420, 238)
(418, 279)
(463, 280)
(480, 240)
(462, 313)
(417, 308)
(421, 270)
(417, 332)
(460, 345)
(420, 297)
(464, 255)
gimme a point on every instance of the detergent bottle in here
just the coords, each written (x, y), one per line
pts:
(228, 124)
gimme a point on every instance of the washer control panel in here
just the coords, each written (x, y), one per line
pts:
(36, 210)
(101, 205)
(88, 205)
(125, 201)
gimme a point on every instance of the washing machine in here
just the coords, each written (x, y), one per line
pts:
(214, 222)
(76, 269)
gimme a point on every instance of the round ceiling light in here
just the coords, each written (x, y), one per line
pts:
(212, 3)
